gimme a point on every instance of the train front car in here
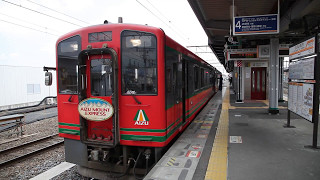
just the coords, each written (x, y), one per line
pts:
(124, 92)
(111, 103)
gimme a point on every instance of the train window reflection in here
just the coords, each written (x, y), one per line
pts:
(67, 71)
(67, 52)
(139, 63)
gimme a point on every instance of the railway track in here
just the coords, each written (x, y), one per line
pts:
(28, 149)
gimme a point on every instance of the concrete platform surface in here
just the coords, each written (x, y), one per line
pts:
(258, 146)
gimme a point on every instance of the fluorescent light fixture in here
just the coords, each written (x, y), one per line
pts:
(136, 74)
(135, 42)
(74, 47)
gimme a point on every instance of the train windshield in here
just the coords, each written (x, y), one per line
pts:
(139, 63)
(68, 51)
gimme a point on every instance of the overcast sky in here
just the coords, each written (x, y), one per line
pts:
(29, 28)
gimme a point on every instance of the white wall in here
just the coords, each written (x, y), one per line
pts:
(14, 81)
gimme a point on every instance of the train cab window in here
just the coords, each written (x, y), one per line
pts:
(68, 51)
(101, 77)
(138, 63)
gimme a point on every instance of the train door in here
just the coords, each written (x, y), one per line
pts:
(177, 91)
(101, 87)
(184, 89)
(258, 83)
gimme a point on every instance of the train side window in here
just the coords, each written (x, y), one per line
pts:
(138, 63)
(168, 80)
(196, 77)
(202, 77)
(175, 82)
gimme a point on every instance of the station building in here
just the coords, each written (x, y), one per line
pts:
(23, 86)
(252, 39)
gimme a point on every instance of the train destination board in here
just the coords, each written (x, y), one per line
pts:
(261, 24)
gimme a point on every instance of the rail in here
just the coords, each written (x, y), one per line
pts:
(14, 154)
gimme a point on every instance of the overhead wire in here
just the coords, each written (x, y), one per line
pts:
(41, 13)
(159, 19)
(57, 11)
(28, 27)
(30, 22)
(154, 7)
(168, 21)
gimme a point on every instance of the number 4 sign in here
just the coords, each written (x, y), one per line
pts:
(261, 24)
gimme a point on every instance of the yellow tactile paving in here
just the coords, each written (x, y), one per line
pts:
(262, 107)
(217, 167)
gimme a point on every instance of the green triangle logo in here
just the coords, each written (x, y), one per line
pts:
(141, 116)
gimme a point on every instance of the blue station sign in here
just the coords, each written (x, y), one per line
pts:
(261, 24)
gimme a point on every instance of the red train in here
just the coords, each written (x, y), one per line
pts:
(124, 92)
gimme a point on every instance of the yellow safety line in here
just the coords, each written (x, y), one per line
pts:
(217, 166)
(262, 107)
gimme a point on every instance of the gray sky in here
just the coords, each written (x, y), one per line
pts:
(29, 28)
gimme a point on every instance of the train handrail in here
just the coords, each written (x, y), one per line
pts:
(138, 105)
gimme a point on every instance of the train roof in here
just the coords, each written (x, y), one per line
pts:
(123, 26)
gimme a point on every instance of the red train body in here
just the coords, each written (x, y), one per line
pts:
(135, 89)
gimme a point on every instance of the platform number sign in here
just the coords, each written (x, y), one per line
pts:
(261, 24)
(238, 25)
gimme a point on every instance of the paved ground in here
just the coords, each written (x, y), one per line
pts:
(39, 115)
(268, 151)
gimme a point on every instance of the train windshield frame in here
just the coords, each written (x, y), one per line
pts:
(67, 53)
(139, 73)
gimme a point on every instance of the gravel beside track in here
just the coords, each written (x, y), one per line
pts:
(37, 164)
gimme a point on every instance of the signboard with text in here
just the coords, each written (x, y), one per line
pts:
(242, 54)
(304, 83)
(301, 99)
(260, 24)
(304, 48)
(303, 69)
(302, 74)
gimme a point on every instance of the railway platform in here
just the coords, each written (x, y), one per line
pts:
(241, 141)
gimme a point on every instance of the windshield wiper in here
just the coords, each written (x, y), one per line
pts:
(134, 96)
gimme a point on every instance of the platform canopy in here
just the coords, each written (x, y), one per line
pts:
(297, 20)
